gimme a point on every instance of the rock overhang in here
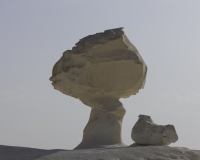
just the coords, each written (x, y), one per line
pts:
(103, 64)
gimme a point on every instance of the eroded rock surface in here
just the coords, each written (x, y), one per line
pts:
(104, 126)
(99, 70)
(146, 132)
(128, 153)
(101, 64)
(122, 153)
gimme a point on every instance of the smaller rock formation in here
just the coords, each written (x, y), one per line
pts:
(146, 132)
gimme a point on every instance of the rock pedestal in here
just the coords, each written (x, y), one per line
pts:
(104, 125)
(99, 70)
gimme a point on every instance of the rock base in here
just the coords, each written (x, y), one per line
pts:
(124, 153)
(127, 153)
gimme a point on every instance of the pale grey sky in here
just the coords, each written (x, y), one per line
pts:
(33, 36)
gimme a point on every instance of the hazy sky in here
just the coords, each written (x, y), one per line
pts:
(33, 36)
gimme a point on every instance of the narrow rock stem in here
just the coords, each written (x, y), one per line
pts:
(104, 125)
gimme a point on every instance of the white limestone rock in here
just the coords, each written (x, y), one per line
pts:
(122, 153)
(104, 126)
(127, 153)
(99, 70)
(103, 64)
(146, 132)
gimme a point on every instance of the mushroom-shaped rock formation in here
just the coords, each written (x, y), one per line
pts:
(99, 70)
(146, 132)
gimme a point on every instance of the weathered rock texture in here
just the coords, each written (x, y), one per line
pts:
(123, 153)
(99, 70)
(146, 132)
(128, 153)
(104, 125)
